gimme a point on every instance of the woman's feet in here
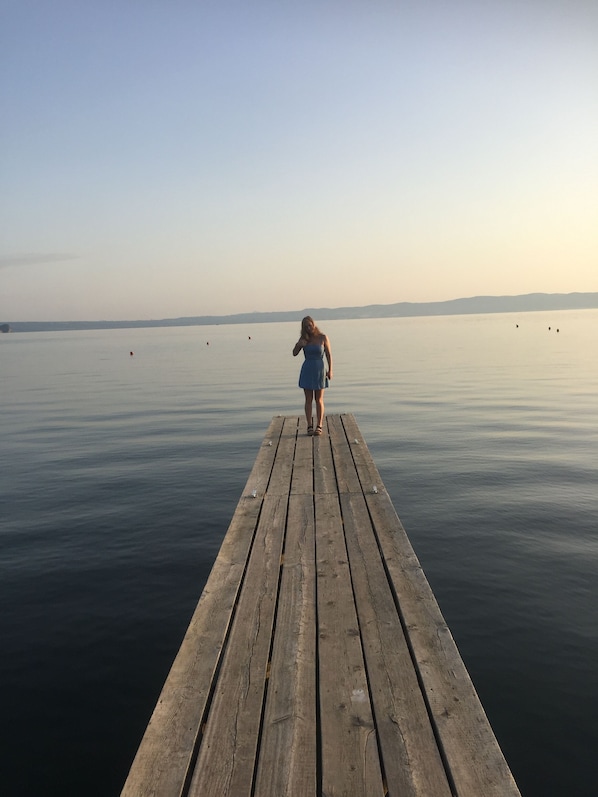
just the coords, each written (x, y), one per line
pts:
(318, 431)
(310, 430)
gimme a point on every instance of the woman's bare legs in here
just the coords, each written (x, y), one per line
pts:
(319, 397)
(309, 397)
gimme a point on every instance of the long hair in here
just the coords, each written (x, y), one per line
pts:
(309, 328)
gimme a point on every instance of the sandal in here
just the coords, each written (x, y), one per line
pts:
(310, 430)
(318, 431)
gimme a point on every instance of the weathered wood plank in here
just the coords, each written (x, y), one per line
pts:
(302, 482)
(281, 473)
(367, 472)
(288, 750)
(474, 759)
(324, 476)
(166, 751)
(472, 754)
(264, 463)
(227, 752)
(350, 761)
(347, 478)
(411, 761)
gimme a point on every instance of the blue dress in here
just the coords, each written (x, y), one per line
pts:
(313, 371)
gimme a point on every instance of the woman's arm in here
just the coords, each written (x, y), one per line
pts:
(328, 354)
(298, 346)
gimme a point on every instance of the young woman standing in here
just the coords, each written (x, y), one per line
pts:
(314, 376)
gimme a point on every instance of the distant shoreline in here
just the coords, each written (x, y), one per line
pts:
(524, 303)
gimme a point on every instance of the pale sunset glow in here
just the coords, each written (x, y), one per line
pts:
(168, 159)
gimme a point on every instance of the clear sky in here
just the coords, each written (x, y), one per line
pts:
(164, 158)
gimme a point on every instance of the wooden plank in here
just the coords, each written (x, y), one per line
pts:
(367, 472)
(288, 754)
(281, 473)
(472, 754)
(167, 749)
(324, 476)
(347, 479)
(350, 762)
(474, 759)
(226, 759)
(411, 761)
(262, 467)
(302, 482)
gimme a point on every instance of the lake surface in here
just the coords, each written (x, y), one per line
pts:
(121, 473)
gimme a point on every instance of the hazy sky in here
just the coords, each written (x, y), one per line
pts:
(164, 158)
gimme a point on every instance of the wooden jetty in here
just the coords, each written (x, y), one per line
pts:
(317, 661)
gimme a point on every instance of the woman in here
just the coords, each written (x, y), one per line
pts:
(314, 376)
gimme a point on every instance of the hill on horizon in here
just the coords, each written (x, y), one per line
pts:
(524, 303)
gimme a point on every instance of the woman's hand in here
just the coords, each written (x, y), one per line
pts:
(298, 346)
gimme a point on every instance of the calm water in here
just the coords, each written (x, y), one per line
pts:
(120, 475)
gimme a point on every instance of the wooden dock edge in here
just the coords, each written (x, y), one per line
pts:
(466, 739)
